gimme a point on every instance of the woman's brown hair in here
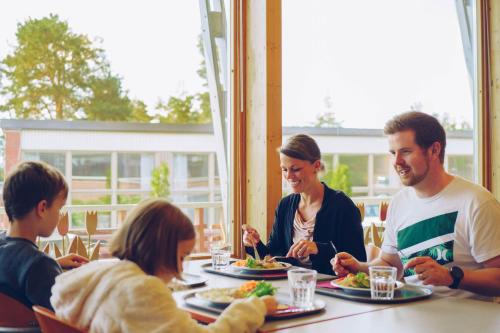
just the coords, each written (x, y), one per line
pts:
(150, 235)
(302, 147)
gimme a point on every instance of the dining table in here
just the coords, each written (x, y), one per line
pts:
(433, 314)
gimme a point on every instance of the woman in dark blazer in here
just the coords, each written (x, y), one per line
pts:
(314, 222)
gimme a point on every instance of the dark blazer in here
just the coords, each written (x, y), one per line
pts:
(337, 229)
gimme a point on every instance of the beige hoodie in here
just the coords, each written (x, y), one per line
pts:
(119, 297)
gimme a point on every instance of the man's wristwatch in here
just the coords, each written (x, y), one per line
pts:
(457, 275)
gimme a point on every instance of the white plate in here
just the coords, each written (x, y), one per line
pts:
(284, 267)
(216, 296)
(334, 283)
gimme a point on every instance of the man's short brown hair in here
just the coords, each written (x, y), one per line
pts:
(28, 184)
(427, 129)
(150, 235)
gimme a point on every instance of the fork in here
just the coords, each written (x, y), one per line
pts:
(255, 252)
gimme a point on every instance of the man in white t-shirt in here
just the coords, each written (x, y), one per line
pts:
(441, 230)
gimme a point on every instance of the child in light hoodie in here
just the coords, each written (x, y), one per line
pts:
(131, 295)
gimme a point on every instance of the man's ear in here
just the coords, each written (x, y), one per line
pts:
(436, 149)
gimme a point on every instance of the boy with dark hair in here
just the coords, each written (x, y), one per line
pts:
(33, 195)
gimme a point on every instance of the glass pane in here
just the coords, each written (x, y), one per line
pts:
(190, 171)
(134, 171)
(127, 199)
(121, 116)
(350, 66)
(461, 166)
(91, 171)
(358, 168)
(57, 160)
(103, 218)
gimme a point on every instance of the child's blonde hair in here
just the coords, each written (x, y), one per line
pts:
(150, 235)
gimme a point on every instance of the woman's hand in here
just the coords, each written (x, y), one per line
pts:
(271, 303)
(251, 236)
(71, 260)
(302, 249)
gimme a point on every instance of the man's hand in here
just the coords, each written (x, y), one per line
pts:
(344, 263)
(71, 260)
(430, 272)
(302, 249)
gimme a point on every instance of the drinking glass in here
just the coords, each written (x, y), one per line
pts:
(220, 257)
(382, 282)
(302, 284)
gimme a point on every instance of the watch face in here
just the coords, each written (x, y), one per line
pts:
(457, 273)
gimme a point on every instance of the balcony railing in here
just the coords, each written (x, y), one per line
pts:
(207, 218)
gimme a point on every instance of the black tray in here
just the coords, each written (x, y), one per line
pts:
(319, 305)
(403, 295)
(239, 274)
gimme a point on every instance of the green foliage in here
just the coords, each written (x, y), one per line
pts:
(450, 124)
(160, 186)
(54, 73)
(140, 112)
(188, 109)
(48, 72)
(107, 100)
(327, 119)
(128, 199)
(191, 109)
(339, 179)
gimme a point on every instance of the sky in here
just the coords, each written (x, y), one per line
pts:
(368, 59)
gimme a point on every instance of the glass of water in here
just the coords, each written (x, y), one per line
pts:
(382, 282)
(220, 257)
(302, 284)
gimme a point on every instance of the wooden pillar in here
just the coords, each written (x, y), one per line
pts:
(493, 9)
(263, 112)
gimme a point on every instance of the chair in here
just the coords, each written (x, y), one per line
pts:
(15, 314)
(49, 323)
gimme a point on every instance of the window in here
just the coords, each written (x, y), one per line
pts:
(349, 66)
(57, 160)
(462, 166)
(142, 106)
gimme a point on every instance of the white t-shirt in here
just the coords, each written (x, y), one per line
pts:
(459, 226)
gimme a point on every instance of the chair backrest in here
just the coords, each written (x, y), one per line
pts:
(49, 323)
(15, 313)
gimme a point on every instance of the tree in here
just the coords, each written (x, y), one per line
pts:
(182, 110)
(339, 178)
(140, 112)
(107, 100)
(48, 72)
(188, 109)
(160, 186)
(450, 124)
(327, 118)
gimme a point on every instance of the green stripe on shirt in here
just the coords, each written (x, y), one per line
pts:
(427, 229)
